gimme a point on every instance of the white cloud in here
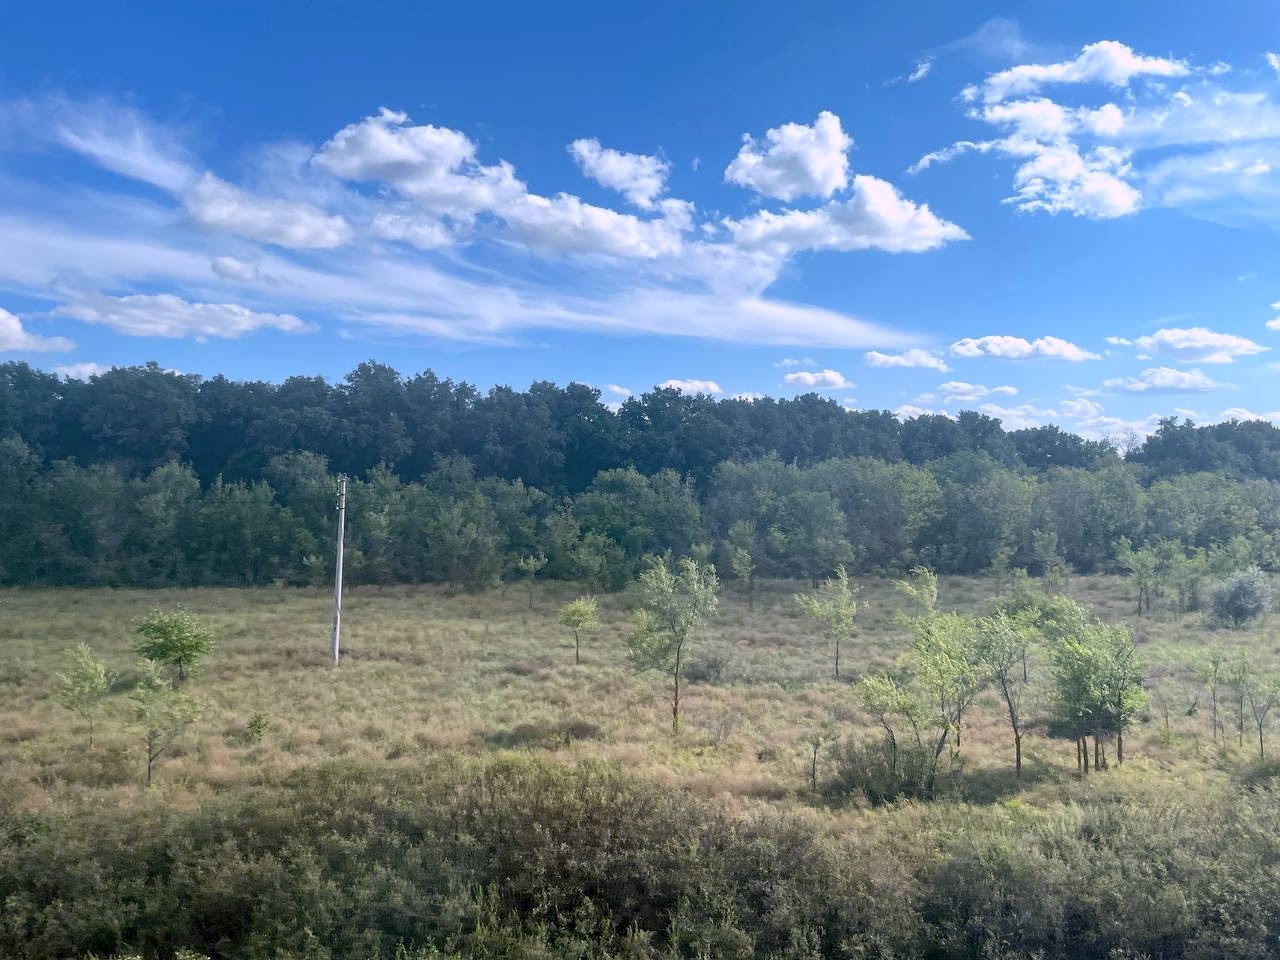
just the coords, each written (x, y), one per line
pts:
(229, 268)
(114, 136)
(1273, 324)
(709, 387)
(218, 205)
(820, 379)
(14, 338)
(1273, 61)
(909, 410)
(1241, 413)
(915, 357)
(1119, 342)
(1163, 380)
(960, 391)
(434, 166)
(794, 362)
(794, 160)
(422, 231)
(81, 371)
(1086, 158)
(567, 224)
(617, 391)
(1021, 417)
(920, 72)
(1080, 408)
(875, 217)
(1107, 62)
(1199, 345)
(1017, 348)
(165, 315)
(640, 178)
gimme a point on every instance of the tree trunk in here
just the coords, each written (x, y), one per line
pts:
(675, 700)
(1262, 754)
(837, 658)
(1119, 745)
(577, 647)
(1017, 755)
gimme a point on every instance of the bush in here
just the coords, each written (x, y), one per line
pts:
(882, 771)
(1241, 597)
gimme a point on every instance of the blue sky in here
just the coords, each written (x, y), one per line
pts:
(1048, 215)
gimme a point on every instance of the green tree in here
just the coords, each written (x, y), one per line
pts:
(160, 712)
(673, 605)
(834, 605)
(1143, 567)
(945, 651)
(1213, 674)
(741, 549)
(1001, 652)
(529, 567)
(580, 616)
(83, 685)
(1261, 693)
(1243, 596)
(175, 639)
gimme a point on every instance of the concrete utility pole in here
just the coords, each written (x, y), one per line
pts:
(337, 580)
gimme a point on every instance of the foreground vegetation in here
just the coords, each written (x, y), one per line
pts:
(459, 786)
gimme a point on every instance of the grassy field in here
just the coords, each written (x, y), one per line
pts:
(428, 671)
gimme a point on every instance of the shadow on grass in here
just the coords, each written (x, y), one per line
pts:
(547, 735)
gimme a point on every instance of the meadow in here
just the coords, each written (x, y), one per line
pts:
(450, 682)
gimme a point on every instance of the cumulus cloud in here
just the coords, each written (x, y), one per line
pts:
(1021, 417)
(1273, 61)
(1163, 380)
(794, 362)
(1119, 342)
(1198, 345)
(617, 391)
(958, 390)
(708, 387)
(794, 160)
(819, 379)
(567, 224)
(434, 166)
(14, 338)
(1107, 62)
(1242, 413)
(638, 177)
(1274, 324)
(915, 357)
(165, 315)
(218, 205)
(875, 217)
(1018, 348)
(1080, 409)
(81, 371)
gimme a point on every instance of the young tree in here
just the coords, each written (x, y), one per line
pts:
(1243, 596)
(1213, 674)
(673, 605)
(175, 639)
(1000, 651)
(1123, 696)
(740, 547)
(83, 686)
(946, 656)
(834, 605)
(581, 617)
(1261, 692)
(529, 567)
(160, 712)
(1143, 567)
(815, 739)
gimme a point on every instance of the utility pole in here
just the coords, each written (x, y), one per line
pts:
(337, 580)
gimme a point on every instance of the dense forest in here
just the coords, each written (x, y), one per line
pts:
(149, 477)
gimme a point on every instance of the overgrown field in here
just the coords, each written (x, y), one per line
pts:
(459, 784)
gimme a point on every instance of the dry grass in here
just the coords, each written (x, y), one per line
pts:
(426, 669)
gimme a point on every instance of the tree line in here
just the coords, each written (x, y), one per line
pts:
(147, 477)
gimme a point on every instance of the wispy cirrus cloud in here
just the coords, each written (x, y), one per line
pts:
(406, 229)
